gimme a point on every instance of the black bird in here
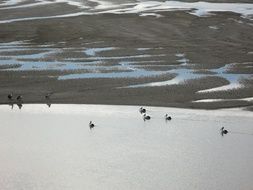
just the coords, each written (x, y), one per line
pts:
(19, 98)
(91, 125)
(167, 117)
(47, 96)
(11, 105)
(142, 110)
(146, 117)
(223, 131)
(10, 96)
(19, 105)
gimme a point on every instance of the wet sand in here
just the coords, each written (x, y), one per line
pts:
(208, 43)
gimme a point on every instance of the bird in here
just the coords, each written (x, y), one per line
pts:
(19, 97)
(223, 131)
(142, 110)
(47, 96)
(167, 117)
(19, 105)
(91, 125)
(12, 105)
(10, 96)
(146, 117)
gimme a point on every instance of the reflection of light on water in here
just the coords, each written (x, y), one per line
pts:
(143, 8)
(94, 51)
(234, 80)
(182, 76)
(221, 100)
(214, 27)
(186, 74)
(53, 148)
(94, 66)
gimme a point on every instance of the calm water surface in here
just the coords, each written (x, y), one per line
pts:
(53, 148)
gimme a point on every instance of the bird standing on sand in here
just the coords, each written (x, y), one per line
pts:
(142, 110)
(167, 117)
(47, 96)
(91, 125)
(223, 131)
(146, 117)
(19, 105)
(10, 96)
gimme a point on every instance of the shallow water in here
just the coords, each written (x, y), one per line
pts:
(53, 148)
(185, 74)
(142, 8)
(250, 99)
(96, 62)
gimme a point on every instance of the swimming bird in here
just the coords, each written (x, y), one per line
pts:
(223, 131)
(142, 110)
(19, 97)
(10, 96)
(167, 117)
(91, 125)
(146, 117)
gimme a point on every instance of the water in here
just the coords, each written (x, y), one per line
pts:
(53, 148)
(90, 62)
(182, 75)
(21, 56)
(234, 79)
(185, 74)
(142, 8)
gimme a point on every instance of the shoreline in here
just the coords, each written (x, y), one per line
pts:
(229, 108)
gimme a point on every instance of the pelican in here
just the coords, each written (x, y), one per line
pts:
(91, 125)
(146, 117)
(47, 96)
(19, 97)
(19, 105)
(11, 105)
(167, 117)
(10, 96)
(223, 131)
(142, 110)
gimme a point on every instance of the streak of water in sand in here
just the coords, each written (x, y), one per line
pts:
(143, 8)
